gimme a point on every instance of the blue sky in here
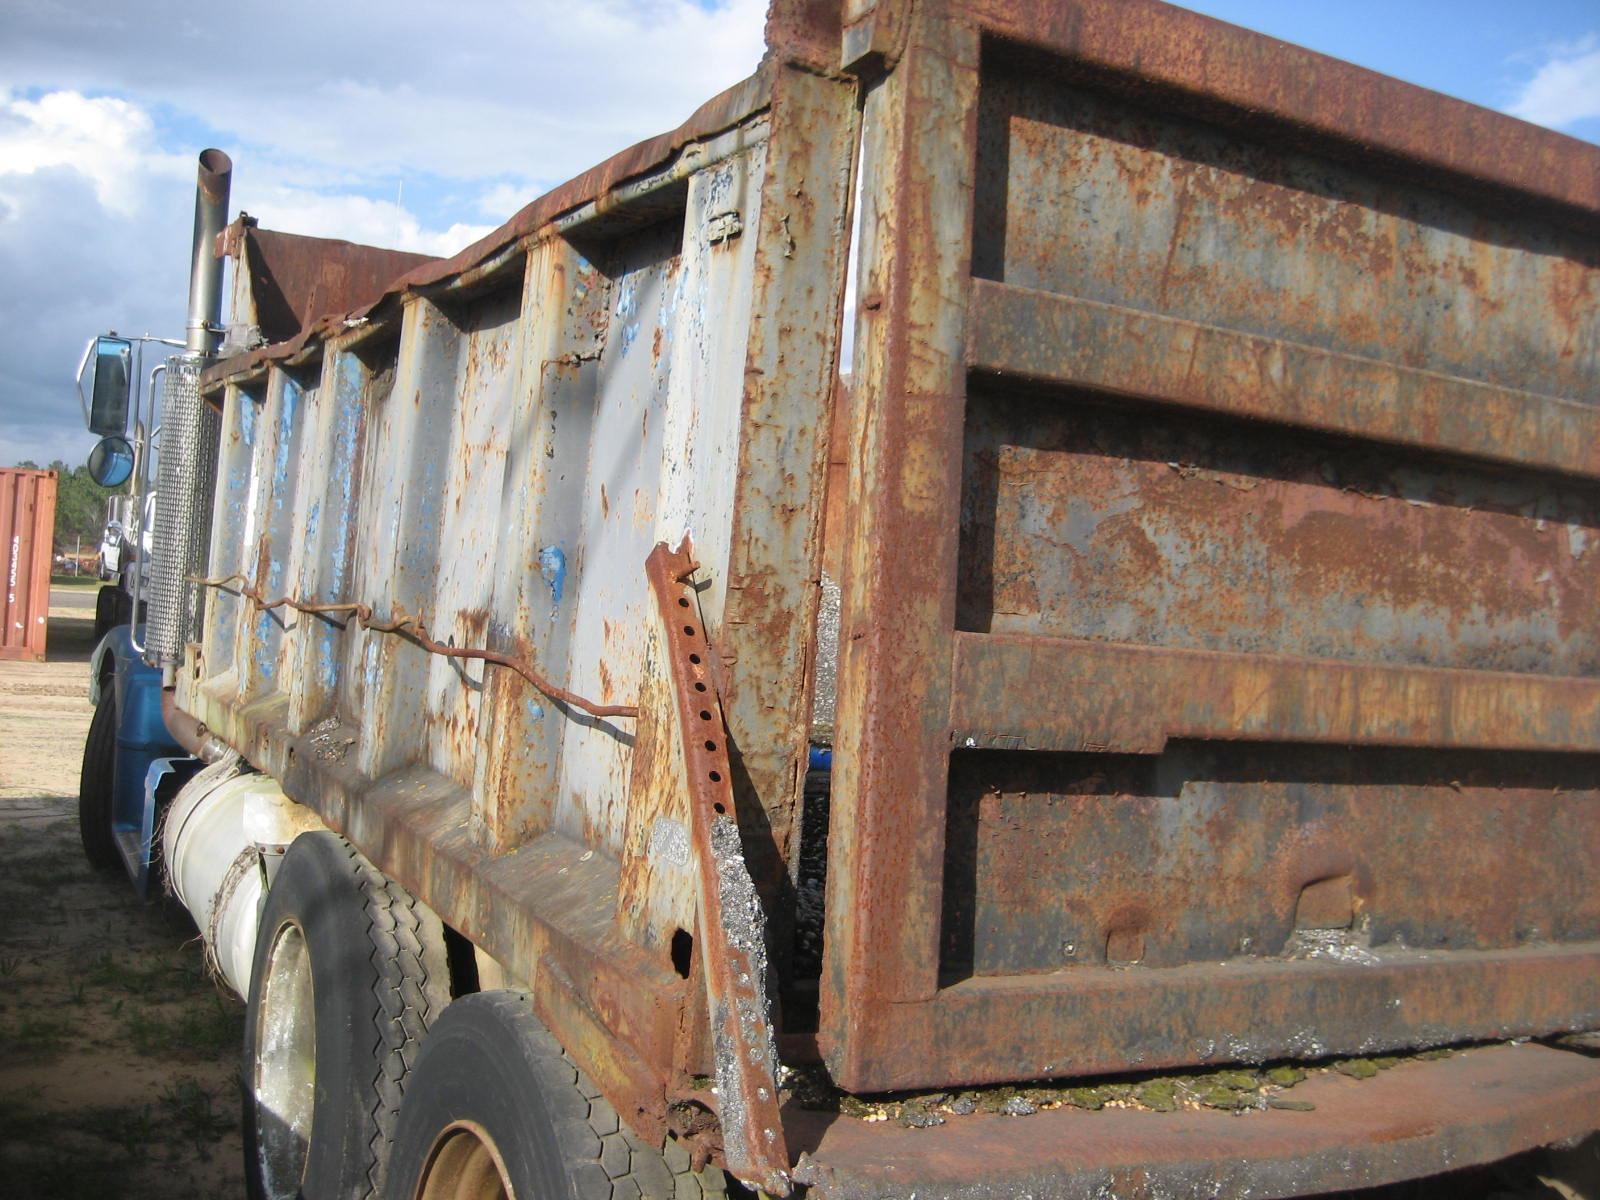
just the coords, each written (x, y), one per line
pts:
(427, 128)
(1486, 51)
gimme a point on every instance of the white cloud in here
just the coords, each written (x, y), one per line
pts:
(108, 140)
(473, 109)
(359, 219)
(504, 200)
(1566, 89)
(530, 89)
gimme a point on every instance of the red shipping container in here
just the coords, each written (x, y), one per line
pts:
(27, 520)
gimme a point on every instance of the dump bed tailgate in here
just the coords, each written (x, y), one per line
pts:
(1220, 630)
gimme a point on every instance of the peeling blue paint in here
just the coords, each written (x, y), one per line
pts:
(535, 710)
(346, 438)
(553, 567)
(628, 307)
(265, 651)
(280, 461)
(247, 420)
(327, 668)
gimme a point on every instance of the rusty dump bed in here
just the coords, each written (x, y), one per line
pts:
(1215, 516)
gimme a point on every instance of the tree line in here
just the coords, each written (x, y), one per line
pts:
(80, 506)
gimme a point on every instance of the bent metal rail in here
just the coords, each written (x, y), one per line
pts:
(1218, 557)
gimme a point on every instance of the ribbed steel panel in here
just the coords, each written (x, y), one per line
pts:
(27, 520)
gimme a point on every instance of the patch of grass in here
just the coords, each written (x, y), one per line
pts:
(152, 980)
(53, 1172)
(37, 1037)
(205, 1029)
(82, 1155)
(132, 1129)
(21, 1122)
(189, 1114)
(38, 871)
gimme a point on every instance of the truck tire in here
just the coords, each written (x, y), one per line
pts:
(95, 784)
(105, 611)
(349, 972)
(497, 1109)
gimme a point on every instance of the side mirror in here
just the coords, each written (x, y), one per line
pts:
(111, 461)
(109, 361)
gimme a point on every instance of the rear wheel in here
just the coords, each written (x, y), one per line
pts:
(349, 972)
(497, 1111)
(107, 611)
(95, 798)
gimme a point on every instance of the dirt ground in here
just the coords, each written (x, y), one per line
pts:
(119, 1058)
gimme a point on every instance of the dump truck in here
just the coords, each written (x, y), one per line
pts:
(1009, 610)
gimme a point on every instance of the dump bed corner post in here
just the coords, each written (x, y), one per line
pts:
(769, 618)
(887, 819)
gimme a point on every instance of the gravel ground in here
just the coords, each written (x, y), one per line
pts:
(118, 1056)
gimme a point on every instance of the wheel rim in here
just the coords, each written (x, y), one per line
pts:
(465, 1164)
(286, 1065)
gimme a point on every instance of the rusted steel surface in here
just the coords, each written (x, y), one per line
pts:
(1329, 994)
(1163, 55)
(27, 525)
(1416, 1119)
(469, 473)
(413, 629)
(1274, 241)
(732, 946)
(1216, 539)
(1060, 862)
(768, 623)
(886, 824)
(1023, 333)
(284, 281)
(1016, 692)
(1263, 442)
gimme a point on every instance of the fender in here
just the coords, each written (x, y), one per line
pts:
(142, 742)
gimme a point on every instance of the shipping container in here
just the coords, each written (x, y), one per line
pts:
(27, 522)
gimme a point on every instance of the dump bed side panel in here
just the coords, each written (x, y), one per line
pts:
(478, 464)
(1219, 669)
(495, 462)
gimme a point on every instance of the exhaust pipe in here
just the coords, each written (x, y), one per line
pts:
(203, 332)
(190, 431)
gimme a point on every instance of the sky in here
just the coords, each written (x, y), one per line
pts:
(422, 126)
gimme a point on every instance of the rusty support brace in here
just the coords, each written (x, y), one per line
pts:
(732, 943)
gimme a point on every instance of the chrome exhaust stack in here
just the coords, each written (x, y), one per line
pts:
(204, 329)
(190, 428)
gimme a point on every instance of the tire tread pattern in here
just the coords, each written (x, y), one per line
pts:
(408, 997)
(605, 1160)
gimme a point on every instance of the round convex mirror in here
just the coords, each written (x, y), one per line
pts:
(111, 462)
